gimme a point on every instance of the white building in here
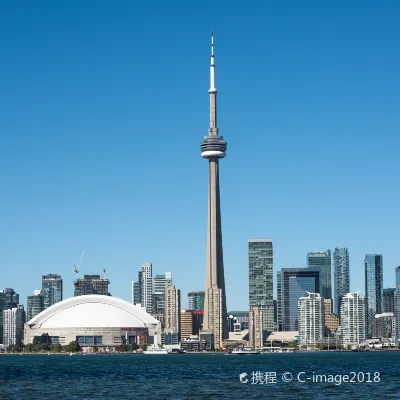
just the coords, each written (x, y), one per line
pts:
(397, 309)
(13, 326)
(352, 319)
(94, 321)
(311, 316)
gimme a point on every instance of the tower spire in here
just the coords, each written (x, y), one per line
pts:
(212, 66)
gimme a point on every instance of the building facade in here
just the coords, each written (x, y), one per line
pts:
(352, 319)
(52, 289)
(373, 288)
(173, 310)
(13, 326)
(187, 322)
(397, 312)
(161, 283)
(34, 305)
(397, 272)
(196, 300)
(311, 320)
(293, 283)
(137, 290)
(322, 260)
(213, 148)
(261, 289)
(341, 273)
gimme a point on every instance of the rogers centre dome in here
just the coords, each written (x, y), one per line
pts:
(93, 321)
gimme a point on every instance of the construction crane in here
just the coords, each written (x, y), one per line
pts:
(76, 268)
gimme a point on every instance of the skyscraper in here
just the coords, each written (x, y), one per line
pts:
(293, 283)
(196, 300)
(52, 289)
(3, 307)
(137, 289)
(34, 305)
(322, 260)
(341, 273)
(373, 288)
(352, 319)
(173, 310)
(91, 284)
(256, 331)
(261, 280)
(311, 319)
(397, 312)
(213, 148)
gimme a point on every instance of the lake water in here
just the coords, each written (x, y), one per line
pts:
(201, 376)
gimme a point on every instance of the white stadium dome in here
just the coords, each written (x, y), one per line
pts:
(97, 315)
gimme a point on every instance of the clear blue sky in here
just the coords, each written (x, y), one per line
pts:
(103, 107)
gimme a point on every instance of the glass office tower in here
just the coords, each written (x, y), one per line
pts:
(341, 273)
(322, 260)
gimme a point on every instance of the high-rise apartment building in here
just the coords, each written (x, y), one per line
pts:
(293, 283)
(332, 321)
(352, 319)
(322, 260)
(147, 287)
(260, 253)
(3, 307)
(373, 288)
(311, 320)
(161, 283)
(91, 284)
(187, 322)
(52, 289)
(341, 273)
(173, 309)
(213, 148)
(34, 305)
(196, 300)
(388, 300)
(13, 326)
(256, 331)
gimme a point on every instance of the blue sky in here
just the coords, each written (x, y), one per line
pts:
(103, 107)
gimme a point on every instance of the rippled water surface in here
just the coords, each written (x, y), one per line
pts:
(198, 376)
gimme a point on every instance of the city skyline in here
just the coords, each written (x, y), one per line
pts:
(95, 160)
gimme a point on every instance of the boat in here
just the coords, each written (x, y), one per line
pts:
(155, 350)
(246, 351)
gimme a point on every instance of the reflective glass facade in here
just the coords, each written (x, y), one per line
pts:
(52, 289)
(373, 288)
(322, 260)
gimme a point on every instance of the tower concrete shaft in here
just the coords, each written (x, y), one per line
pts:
(213, 148)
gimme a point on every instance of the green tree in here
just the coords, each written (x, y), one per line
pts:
(56, 348)
(144, 347)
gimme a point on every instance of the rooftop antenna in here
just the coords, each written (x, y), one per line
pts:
(104, 276)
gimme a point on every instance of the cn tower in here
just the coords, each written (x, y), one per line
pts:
(213, 148)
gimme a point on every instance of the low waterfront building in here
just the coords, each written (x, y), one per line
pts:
(193, 344)
(384, 326)
(94, 321)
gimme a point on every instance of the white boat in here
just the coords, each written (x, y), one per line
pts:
(246, 351)
(155, 350)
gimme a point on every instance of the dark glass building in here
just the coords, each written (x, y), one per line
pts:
(388, 300)
(373, 288)
(341, 273)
